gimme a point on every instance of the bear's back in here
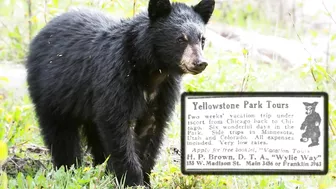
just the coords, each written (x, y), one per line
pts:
(82, 21)
(61, 56)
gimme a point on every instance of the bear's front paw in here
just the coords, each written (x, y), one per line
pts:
(134, 177)
(304, 139)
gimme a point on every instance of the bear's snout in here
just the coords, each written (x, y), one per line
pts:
(196, 67)
(200, 64)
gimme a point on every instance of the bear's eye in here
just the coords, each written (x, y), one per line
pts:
(182, 39)
(203, 42)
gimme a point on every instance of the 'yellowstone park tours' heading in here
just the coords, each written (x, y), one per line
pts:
(246, 105)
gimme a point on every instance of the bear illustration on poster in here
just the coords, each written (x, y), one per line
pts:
(311, 125)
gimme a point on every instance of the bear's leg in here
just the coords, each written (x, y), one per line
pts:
(315, 141)
(149, 148)
(95, 143)
(304, 137)
(162, 106)
(119, 146)
(62, 138)
(150, 132)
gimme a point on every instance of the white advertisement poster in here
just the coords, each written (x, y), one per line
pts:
(265, 133)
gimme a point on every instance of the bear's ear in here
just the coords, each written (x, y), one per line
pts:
(315, 103)
(306, 103)
(158, 8)
(205, 8)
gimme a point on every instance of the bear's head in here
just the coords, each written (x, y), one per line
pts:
(310, 107)
(178, 34)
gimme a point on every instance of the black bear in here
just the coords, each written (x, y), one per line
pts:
(117, 79)
(311, 124)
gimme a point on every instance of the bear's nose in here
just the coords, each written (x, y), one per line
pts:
(201, 63)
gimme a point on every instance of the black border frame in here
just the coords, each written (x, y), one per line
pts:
(257, 171)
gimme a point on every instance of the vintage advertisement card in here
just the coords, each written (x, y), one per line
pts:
(255, 133)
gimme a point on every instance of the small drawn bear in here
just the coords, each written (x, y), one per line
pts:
(311, 125)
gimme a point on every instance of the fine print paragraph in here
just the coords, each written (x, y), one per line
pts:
(253, 133)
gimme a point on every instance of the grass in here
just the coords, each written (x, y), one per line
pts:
(26, 163)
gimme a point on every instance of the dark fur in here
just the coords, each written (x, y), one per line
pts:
(84, 68)
(311, 125)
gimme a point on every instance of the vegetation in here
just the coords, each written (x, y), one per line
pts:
(26, 164)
